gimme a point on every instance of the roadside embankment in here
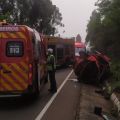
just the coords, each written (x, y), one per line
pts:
(89, 100)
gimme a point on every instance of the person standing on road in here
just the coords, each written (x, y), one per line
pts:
(51, 71)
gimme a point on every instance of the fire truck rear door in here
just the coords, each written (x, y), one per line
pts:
(14, 69)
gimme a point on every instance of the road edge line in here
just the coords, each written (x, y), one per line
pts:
(39, 117)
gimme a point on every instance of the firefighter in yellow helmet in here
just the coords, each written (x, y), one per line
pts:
(51, 70)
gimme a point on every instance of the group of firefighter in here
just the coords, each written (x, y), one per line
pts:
(92, 67)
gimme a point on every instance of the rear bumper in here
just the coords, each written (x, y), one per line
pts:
(9, 95)
(27, 91)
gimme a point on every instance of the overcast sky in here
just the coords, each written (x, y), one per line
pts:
(76, 14)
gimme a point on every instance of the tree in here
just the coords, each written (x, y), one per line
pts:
(39, 14)
(103, 29)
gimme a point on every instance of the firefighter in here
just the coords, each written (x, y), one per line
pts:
(51, 71)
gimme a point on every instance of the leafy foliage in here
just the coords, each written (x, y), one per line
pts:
(40, 14)
(104, 28)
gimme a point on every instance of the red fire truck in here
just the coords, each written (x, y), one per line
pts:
(63, 49)
(22, 60)
(79, 46)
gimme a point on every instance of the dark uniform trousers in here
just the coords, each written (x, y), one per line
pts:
(53, 86)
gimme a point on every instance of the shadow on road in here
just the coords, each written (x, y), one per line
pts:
(16, 102)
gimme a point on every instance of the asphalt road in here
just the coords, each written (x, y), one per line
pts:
(62, 105)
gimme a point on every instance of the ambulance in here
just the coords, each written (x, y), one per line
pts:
(22, 60)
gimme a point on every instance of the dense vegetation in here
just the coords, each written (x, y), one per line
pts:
(104, 27)
(40, 14)
(104, 31)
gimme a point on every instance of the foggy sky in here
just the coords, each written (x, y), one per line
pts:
(76, 14)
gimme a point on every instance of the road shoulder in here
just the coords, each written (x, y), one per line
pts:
(89, 99)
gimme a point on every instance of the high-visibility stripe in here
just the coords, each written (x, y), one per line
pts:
(17, 79)
(26, 34)
(18, 82)
(2, 88)
(24, 65)
(18, 75)
(23, 30)
(6, 86)
(7, 83)
(16, 66)
(14, 35)
(10, 84)
(4, 35)
(21, 35)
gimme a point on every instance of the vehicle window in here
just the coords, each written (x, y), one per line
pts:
(59, 53)
(14, 49)
(67, 51)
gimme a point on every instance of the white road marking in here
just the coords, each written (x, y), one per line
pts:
(39, 117)
(74, 80)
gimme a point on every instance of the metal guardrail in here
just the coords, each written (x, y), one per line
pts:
(116, 101)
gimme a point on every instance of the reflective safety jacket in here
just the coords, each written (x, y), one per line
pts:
(51, 63)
